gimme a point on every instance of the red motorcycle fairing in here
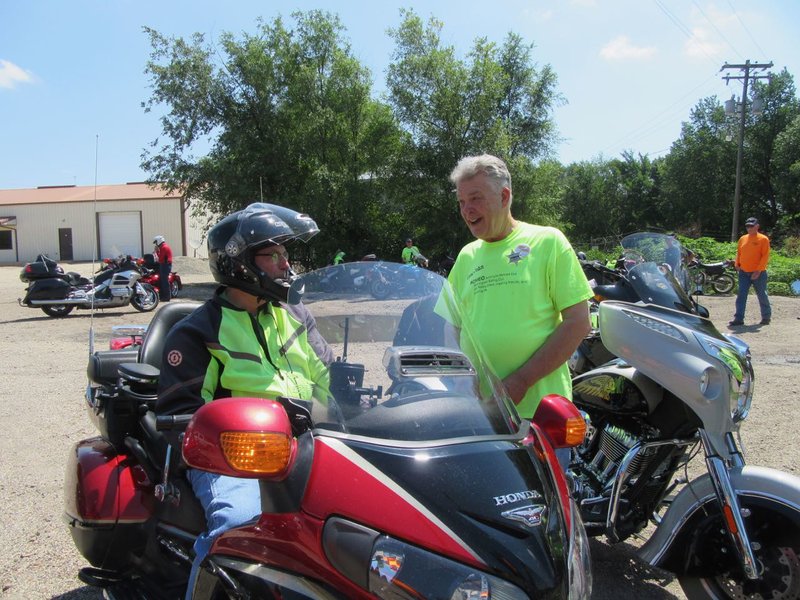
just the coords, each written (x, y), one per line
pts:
(408, 494)
(106, 501)
(291, 542)
(355, 488)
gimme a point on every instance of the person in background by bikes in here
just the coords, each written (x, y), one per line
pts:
(410, 253)
(339, 257)
(520, 285)
(672, 253)
(752, 256)
(246, 341)
(164, 257)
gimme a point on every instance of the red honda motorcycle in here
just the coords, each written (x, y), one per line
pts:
(411, 477)
(149, 267)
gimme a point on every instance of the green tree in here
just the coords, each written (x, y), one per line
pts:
(699, 173)
(786, 177)
(759, 179)
(286, 112)
(496, 100)
(589, 201)
(636, 193)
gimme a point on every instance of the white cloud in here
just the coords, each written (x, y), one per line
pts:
(11, 75)
(538, 16)
(700, 45)
(621, 48)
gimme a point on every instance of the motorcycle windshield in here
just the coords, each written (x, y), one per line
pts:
(656, 265)
(403, 371)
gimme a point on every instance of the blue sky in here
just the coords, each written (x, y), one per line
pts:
(72, 71)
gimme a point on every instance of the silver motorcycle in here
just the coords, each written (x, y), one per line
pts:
(118, 283)
(679, 386)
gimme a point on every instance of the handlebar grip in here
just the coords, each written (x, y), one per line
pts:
(170, 422)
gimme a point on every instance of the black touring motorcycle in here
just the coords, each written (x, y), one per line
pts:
(57, 292)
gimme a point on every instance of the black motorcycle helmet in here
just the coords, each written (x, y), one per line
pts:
(234, 241)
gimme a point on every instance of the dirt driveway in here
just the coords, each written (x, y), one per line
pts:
(43, 365)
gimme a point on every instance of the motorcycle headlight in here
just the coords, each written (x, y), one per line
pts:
(400, 571)
(737, 363)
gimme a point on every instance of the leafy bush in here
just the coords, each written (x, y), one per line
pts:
(784, 263)
(778, 288)
(791, 247)
(708, 249)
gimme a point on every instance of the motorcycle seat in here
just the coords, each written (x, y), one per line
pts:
(167, 317)
(73, 278)
(721, 266)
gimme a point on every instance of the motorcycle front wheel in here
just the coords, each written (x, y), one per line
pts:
(144, 299)
(775, 538)
(723, 284)
(57, 310)
(174, 289)
(380, 289)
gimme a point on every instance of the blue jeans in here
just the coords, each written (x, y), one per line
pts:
(228, 502)
(164, 269)
(760, 285)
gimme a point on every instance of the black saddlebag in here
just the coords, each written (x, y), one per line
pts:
(48, 289)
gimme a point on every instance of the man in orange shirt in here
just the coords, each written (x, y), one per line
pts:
(752, 255)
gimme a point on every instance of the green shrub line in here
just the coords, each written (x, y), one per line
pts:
(783, 268)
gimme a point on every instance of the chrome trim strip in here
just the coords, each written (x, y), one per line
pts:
(298, 584)
(622, 476)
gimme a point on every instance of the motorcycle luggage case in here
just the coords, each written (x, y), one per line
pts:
(106, 503)
(39, 270)
(52, 288)
(149, 261)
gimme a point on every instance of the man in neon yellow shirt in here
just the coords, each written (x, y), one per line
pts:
(520, 286)
(409, 253)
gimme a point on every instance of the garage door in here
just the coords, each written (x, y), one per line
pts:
(120, 233)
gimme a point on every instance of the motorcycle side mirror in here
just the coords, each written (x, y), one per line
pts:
(296, 291)
(241, 437)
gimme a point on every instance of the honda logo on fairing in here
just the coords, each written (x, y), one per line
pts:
(530, 515)
(516, 497)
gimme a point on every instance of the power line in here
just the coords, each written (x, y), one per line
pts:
(736, 14)
(719, 33)
(661, 118)
(683, 28)
(745, 79)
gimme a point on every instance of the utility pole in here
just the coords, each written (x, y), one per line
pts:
(745, 79)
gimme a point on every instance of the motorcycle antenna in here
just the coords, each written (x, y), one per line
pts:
(94, 227)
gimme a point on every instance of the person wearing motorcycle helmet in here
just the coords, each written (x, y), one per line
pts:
(246, 341)
(163, 255)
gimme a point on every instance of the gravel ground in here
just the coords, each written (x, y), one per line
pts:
(43, 362)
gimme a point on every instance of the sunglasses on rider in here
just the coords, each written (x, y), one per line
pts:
(276, 256)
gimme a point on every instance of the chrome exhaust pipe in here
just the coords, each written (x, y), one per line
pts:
(66, 301)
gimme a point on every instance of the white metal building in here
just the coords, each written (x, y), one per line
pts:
(82, 223)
